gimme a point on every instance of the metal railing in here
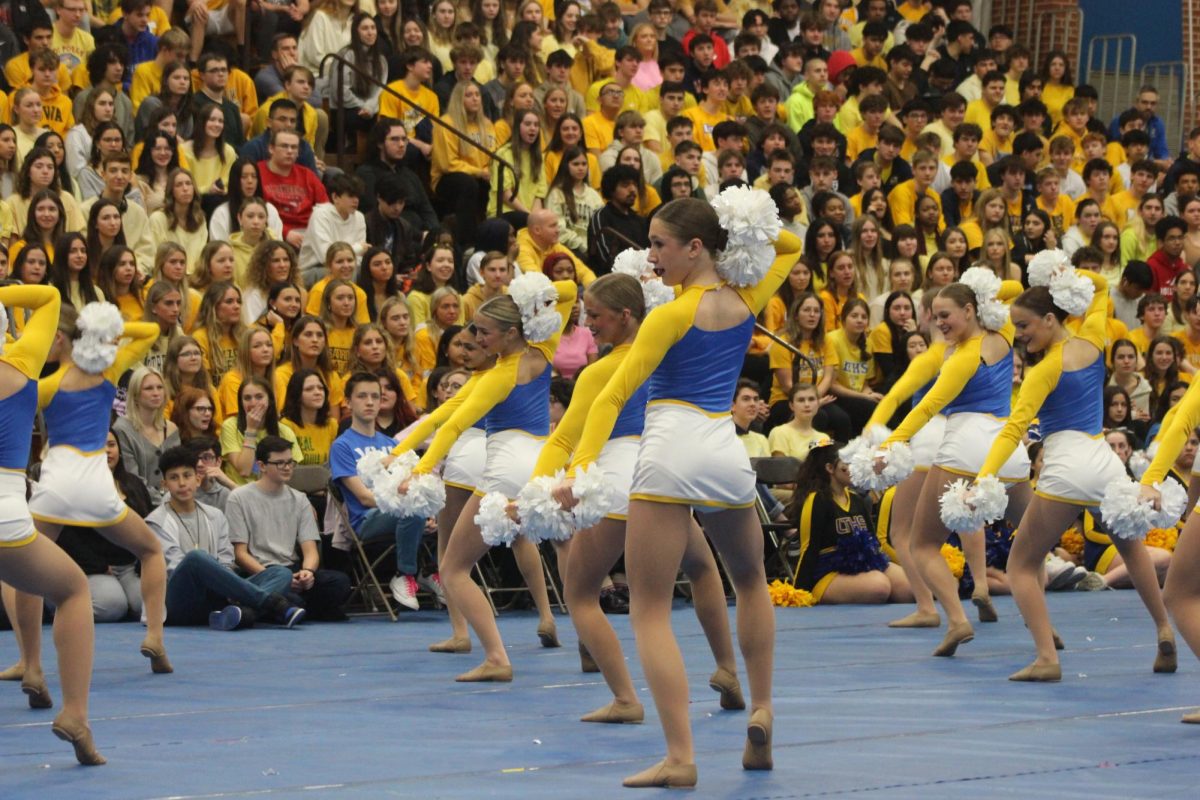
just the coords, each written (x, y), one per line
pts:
(1058, 29)
(1170, 79)
(1109, 67)
(433, 118)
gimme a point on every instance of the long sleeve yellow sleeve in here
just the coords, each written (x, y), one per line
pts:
(437, 417)
(556, 453)
(1094, 329)
(1175, 435)
(921, 370)
(28, 354)
(492, 388)
(568, 294)
(1039, 382)
(1043, 378)
(141, 336)
(787, 253)
(956, 372)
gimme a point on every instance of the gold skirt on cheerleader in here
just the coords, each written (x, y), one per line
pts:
(463, 467)
(1077, 468)
(969, 436)
(691, 458)
(926, 441)
(76, 489)
(16, 526)
(617, 461)
(511, 457)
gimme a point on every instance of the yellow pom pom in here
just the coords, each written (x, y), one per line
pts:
(954, 559)
(1165, 538)
(1072, 542)
(788, 596)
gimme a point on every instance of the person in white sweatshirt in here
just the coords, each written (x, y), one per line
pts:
(339, 220)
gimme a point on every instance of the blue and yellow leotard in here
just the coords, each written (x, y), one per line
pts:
(683, 364)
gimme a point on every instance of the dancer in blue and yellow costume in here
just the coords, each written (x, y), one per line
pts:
(462, 473)
(1181, 592)
(75, 486)
(973, 391)
(29, 561)
(916, 381)
(1064, 391)
(614, 306)
(514, 396)
(691, 351)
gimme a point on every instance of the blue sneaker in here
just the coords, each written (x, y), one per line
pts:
(292, 616)
(227, 619)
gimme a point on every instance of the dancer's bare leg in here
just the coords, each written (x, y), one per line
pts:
(593, 552)
(133, 534)
(1040, 528)
(929, 534)
(708, 598)
(460, 637)
(466, 547)
(9, 596)
(904, 503)
(42, 568)
(529, 561)
(1181, 595)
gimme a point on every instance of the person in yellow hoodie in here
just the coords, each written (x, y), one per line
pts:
(253, 230)
(57, 114)
(461, 169)
(497, 272)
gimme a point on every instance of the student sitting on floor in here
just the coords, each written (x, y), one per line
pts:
(201, 583)
(840, 557)
(269, 521)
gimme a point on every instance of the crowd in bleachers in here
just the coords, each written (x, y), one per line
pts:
(288, 222)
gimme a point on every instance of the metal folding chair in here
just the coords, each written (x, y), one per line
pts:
(775, 471)
(365, 586)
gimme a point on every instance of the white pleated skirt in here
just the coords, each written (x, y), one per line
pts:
(464, 463)
(511, 457)
(969, 436)
(76, 488)
(1077, 468)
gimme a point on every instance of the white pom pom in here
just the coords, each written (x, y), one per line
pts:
(967, 508)
(426, 496)
(751, 220)
(495, 526)
(985, 285)
(1138, 464)
(1172, 505)
(898, 464)
(634, 263)
(656, 293)
(542, 517)
(93, 355)
(385, 487)
(3, 326)
(1069, 290)
(532, 291)
(595, 497)
(369, 466)
(745, 265)
(870, 439)
(541, 325)
(957, 513)
(101, 320)
(1043, 266)
(1127, 516)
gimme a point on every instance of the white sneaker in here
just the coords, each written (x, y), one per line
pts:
(1091, 582)
(433, 584)
(1060, 574)
(404, 589)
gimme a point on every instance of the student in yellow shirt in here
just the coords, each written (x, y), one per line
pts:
(1189, 335)
(306, 411)
(866, 135)
(967, 137)
(57, 114)
(459, 170)
(147, 76)
(1122, 207)
(417, 64)
(855, 366)
(902, 200)
(625, 67)
(17, 70)
(840, 289)
(979, 112)
(710, 110)
(794, 437)
(1058, 206)
(998, 139)
(599, 125)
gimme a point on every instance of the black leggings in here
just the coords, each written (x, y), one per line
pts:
(463, 195)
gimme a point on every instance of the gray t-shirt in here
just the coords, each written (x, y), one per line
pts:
(272, 525)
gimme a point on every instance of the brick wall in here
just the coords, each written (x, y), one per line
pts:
(1044, 29)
